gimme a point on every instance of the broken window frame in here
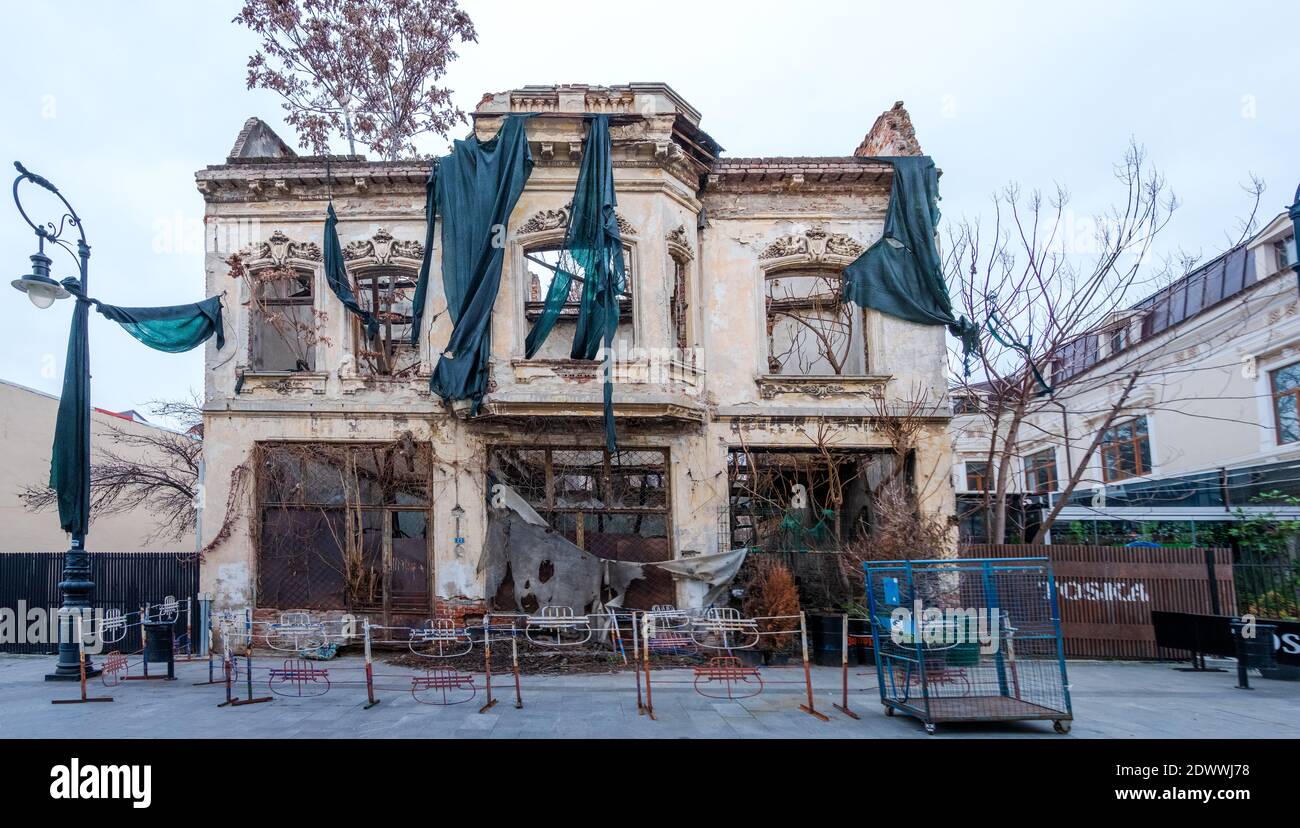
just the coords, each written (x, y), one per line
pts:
(840, 341)
(348, 550)
(392, 354)
(565, 326)
(679, 317)
(602, 489)
(266, 320)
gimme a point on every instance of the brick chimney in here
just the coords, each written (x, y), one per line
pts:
(891, 134)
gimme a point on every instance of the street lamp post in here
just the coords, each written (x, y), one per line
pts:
(76, 585)
(1294, 212)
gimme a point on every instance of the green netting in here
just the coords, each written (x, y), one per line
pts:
(902, 274)
(336, 274)
(475, 188)
(592, 254)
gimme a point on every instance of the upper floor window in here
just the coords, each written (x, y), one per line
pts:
(679, 310)
(1040, 472)
(977, 475)
(1285, 251)
(965, 404)
(811, 330)
(1117, 338)
(388, 295)
(286, 326)
(1286, 403)
(542, 263)
(1125, 450)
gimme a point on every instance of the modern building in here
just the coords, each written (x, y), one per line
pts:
(1212, 426)
(26, 440)
(744, 387)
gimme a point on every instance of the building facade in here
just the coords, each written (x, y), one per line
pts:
(336, 480)
(1210, 428)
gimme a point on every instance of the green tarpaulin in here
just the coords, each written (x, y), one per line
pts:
(475, 188)
(901, 274)
(336, 274)
(70, 462)
(592, 253)
(172, 329)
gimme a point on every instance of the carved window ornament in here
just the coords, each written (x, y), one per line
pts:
(279, 250)
(679, 243)
(814, 245)
(383, 249)
(546, 220)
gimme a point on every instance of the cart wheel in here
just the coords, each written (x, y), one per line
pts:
(889, 711)
(929, 728)
(1061, 726)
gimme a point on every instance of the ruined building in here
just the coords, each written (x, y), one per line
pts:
(748, 396)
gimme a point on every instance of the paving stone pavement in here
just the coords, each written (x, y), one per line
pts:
(1111, 700)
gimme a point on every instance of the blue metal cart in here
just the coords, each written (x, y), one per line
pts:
(969, 640)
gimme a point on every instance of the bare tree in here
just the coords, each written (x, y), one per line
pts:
(155, 471)
(367, 69)
(1053, 290)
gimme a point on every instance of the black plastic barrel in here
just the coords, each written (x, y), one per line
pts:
(826, 634)
(1257, 650)
(158, 645)
(860, 639)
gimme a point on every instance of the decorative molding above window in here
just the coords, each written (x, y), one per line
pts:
(679, 241)
(544, 220)
(383, 249)
(279, 249)
(821, 387)
(283, 383)
(815, 245)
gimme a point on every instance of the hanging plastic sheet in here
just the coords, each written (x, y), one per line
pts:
(593, 254)
(172, 329)
(475, 188)
(901, 274)
(336, 274)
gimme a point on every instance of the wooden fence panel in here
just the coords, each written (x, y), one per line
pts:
(1107, 593)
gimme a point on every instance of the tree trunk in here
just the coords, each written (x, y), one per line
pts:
(1076, 474)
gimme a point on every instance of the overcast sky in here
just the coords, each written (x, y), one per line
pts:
(120, 103)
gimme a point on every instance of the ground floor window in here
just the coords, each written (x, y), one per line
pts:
(345, 526)
(612, 505)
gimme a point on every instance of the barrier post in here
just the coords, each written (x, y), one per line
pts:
(645, 639)
(807, 670)
(248, 665)
(487, 662)
(81, 658)
(514, 657)
(843, 707)
(636, 664)
(371, 701)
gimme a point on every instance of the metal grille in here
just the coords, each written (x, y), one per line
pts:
(968, 640)
(124, 581)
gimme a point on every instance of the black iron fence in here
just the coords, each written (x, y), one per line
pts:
(124, 581)
(1267, 586)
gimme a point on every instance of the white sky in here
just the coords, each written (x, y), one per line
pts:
(119, 104)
